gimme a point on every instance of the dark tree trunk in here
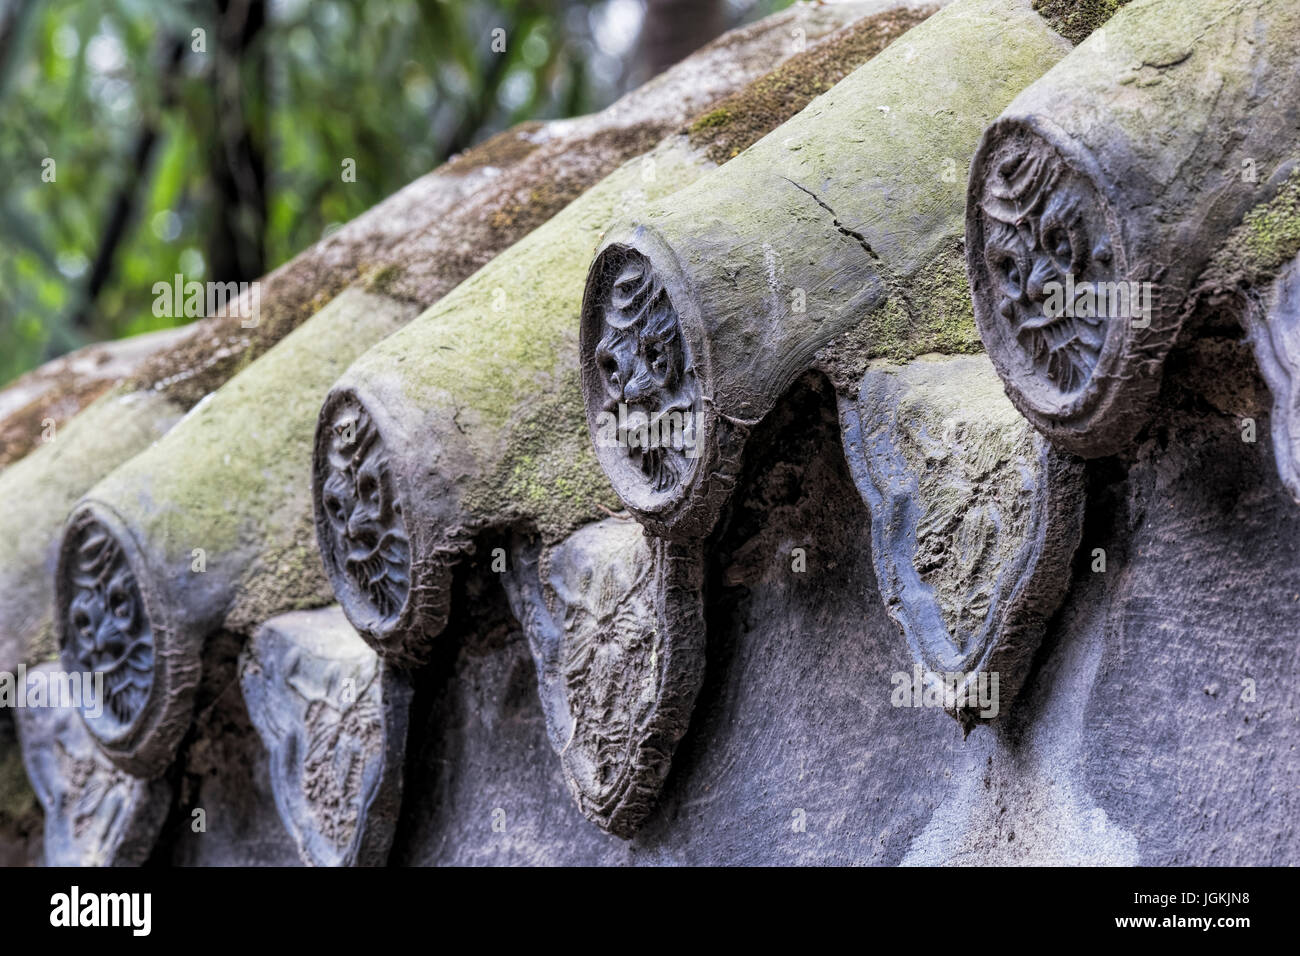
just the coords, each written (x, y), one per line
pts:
(676, 28)
(236, 242)
(12, 21)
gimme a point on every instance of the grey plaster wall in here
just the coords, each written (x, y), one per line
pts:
(1131, 742)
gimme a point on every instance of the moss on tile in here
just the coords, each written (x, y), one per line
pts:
(930, 312)
(745, 117)
(1077, 19)
(1267, 238)
(492, 367)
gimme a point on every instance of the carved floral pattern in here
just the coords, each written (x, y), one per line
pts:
(615, 624)
(975, 518)
(1044, 221)
(339, 742)
(367, 540)
(609, 665)
(95, 813)
(333, 719)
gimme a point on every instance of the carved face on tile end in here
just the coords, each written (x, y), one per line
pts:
(104, 628)
(642, 391)
(359, 520)
(1049, 276)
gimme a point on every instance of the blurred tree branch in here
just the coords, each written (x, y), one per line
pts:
(12, 21)
(472, 120)
(125, 202)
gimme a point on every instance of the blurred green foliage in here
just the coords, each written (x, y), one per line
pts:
(395, 86)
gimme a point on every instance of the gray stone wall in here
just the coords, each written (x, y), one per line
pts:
(1130, 743)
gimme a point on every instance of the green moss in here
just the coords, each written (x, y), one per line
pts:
(1077, 19)
(42, 647)
(941, 308)
(929, 312)
(287, 576)
(714, 118)
(18, 804)
(378, 280)
(548, 477)
(745, 117)
(1267, 239)
(1272, 231)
